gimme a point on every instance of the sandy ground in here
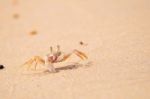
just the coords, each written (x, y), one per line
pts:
(117, 33)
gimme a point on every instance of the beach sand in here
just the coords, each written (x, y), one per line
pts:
(117, 38)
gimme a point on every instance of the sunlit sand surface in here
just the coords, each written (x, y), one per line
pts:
(114, 34)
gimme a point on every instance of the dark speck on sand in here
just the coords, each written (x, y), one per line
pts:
(1, 66)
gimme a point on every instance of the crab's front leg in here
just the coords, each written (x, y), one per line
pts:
(49, 65)
(80, 54)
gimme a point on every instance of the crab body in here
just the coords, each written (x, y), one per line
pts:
(53, 57)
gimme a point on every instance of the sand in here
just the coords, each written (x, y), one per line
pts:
(117, 35)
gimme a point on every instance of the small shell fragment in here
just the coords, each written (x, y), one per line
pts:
(16, 16)
(33, 32)
(82, 43)
(1, 66)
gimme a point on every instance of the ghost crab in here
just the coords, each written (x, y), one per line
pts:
(53, 57)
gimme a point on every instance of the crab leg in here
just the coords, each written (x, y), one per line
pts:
(51, 68)
(35, 59)
(80, 54)
(49, 65)
(65, 57)
(29, 63)
(76, 52)
(35, 65)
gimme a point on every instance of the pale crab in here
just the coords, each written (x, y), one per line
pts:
(54, 56)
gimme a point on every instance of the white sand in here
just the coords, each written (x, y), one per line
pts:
(118, 37)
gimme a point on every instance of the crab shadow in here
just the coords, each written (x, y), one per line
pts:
(64, 68)
(68, 67)
(71, 67)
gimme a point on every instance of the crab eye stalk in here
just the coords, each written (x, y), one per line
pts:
(51, 49)
(58, 48)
